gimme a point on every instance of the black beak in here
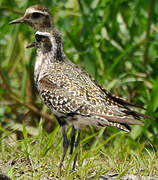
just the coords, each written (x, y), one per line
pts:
(33, 44)
(19, 20)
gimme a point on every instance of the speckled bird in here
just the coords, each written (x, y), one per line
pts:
(72, 94)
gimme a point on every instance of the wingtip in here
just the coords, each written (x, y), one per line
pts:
(145, 116)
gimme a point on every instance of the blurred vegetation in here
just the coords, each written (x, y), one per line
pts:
(115, 41)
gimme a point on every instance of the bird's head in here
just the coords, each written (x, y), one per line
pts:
(49, 42)
(44, 41)
(36, 16)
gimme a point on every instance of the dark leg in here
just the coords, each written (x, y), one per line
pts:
(73, 134)
(76, 144)
(65, 146)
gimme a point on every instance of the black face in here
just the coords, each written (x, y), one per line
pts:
(39, 38)
(44, 41)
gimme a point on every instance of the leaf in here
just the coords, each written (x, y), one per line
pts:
(154, 97)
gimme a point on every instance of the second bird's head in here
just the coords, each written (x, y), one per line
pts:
(49, 42)
(37, 17)
(45, 41)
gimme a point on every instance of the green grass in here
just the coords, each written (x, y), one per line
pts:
(116, 42)
(39, 156)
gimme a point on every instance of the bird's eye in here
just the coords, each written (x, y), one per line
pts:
(36, 15)
(38, 37)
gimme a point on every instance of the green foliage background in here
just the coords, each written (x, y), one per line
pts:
(116, 41)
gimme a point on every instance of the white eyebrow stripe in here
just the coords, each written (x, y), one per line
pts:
(32, 10)
(43, 33)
